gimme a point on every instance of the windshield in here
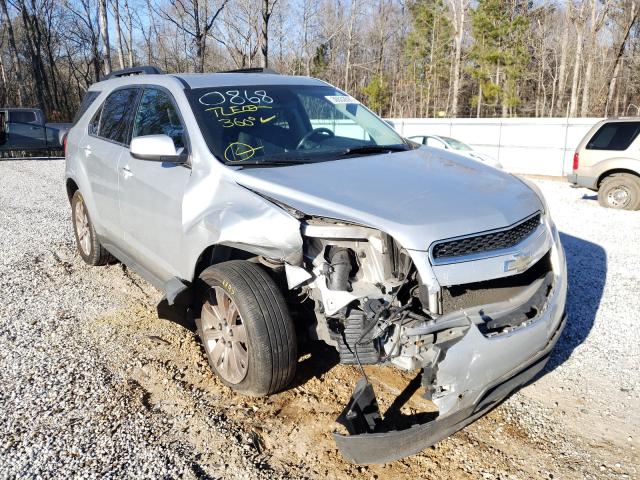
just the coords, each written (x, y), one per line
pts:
(456, 144)
(288, 123)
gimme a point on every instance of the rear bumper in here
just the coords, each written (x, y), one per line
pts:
(581, 181)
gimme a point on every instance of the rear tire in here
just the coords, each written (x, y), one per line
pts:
(620, 191)
(89, 247)
(246, 329)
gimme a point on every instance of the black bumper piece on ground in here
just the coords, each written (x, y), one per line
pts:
(366, 444)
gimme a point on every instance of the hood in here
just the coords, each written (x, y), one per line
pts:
(417, 197)
(481, 157)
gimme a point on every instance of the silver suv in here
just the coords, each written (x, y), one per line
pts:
(277, 208)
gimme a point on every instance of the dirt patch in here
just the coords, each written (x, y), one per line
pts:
(291, 431)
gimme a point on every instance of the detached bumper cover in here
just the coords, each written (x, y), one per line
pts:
(369, 448)
(476, 374)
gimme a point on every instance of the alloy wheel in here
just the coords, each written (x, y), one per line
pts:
(82, 228)
(224, 336)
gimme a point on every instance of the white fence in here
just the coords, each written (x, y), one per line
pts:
(540, 146)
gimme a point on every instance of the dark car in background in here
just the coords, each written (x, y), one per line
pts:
(26, 130)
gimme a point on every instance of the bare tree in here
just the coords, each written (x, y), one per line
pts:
(578, 20)
(562, 69)
(267, 11)
(634, 14)
(196, 21)
(13, 51)
(104, 34)
(597, 19)
(116, 15)
(458, 9)
(129, 24)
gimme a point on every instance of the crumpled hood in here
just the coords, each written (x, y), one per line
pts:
(418, 196)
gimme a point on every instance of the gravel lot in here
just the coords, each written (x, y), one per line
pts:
(93, 384)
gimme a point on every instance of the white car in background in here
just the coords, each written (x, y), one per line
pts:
(461, 148)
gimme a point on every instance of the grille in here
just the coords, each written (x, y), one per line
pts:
(486, 242)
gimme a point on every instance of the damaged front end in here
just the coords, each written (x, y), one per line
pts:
(477, 324)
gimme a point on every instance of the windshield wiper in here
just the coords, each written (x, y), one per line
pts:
(280, 162)
(366, 149)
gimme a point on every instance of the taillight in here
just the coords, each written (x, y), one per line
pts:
(576, 160)
(64, 146)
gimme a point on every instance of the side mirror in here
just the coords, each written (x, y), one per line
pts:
(155, 148)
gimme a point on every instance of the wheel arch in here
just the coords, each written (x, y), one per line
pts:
(214, 254)
(72, 188)
(608, 173)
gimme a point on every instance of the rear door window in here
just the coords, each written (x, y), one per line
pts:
(614, 136)
(117, 113)
(22, 117)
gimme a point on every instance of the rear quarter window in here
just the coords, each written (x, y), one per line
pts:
(88, 99)
(614, 136)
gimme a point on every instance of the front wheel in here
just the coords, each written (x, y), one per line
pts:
(246, 329)
(620, 191)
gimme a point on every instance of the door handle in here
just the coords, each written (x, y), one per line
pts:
(87, 150)
(126, 171)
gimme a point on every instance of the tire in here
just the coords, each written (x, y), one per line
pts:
(87, 243)
(236, 296)
(620, 191)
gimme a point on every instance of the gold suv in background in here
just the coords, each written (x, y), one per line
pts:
(607, 160)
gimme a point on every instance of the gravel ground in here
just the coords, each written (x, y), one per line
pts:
(93, 384)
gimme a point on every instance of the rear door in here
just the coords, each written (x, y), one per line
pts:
(108, 137)
(25, 131)
(151, 193)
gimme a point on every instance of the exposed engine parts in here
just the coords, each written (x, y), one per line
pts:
(338, 269)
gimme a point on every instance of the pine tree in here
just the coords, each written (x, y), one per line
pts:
(428, 49)
(499, 54)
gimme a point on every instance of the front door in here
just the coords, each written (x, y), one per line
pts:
(151, 193)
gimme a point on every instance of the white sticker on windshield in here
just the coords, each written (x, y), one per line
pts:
(339, 99)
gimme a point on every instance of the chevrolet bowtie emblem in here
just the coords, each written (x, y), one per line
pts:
(519, 264)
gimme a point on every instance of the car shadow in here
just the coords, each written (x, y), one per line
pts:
(586, 273)
(315, 358)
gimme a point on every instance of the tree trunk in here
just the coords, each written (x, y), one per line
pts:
(104, 34)
(616, 69)
(562, 71)
(200, 49)
(116, 15)
(573, 105)
(347, 63)
(13, 51)
(267, 10)
(458, 9)
(129, 23)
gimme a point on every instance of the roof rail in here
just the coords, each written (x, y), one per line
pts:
(125, 72)
(251, 70)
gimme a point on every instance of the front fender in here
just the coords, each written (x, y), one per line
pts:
(233, 216)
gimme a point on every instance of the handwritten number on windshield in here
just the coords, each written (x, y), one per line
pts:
(235, 97)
